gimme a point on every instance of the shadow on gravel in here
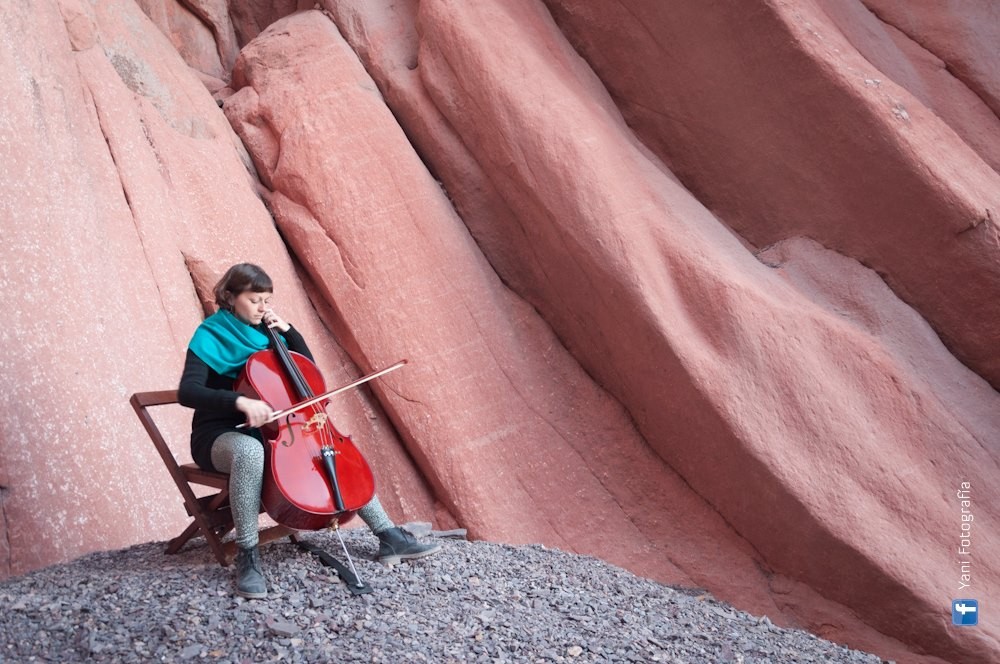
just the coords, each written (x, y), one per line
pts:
(474, 601)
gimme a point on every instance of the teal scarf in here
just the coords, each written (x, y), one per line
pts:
(225, 343)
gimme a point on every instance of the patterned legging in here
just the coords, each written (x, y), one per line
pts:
(242, 456)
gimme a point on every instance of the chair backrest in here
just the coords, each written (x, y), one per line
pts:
(140, 402)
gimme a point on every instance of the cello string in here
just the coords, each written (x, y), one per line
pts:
(304, 392)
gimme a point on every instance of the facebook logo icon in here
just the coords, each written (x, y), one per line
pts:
(965, 612)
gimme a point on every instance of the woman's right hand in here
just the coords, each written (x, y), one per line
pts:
(257, 412)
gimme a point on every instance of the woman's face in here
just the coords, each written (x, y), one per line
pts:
(249, 306)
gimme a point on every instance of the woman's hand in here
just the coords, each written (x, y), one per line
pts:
(272, 319)
(257, 412)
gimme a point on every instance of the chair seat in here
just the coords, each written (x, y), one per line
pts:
(195, 475)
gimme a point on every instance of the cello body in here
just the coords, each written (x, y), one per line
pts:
(301, 489)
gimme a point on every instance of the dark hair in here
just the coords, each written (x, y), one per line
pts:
(239, 278)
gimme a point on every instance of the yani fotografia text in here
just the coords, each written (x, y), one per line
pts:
(965, 537)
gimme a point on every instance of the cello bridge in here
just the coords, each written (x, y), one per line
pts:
(315, 423)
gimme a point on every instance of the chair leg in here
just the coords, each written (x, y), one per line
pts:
(211, 523)
(174, 545)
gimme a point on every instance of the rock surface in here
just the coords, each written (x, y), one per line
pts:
(487, 382)
(885, 169)
(586, 228)
(113, 236)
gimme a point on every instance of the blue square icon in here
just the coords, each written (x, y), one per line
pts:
(965, 611)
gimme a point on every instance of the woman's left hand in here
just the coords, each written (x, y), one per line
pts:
(272, 319)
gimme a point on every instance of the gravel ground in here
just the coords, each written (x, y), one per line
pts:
(472, 602)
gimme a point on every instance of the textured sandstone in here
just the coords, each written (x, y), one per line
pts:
(726, 96)
(642, 382)
(743, 384)
(964, 35)
(499, 417)
(208, 34)
(200, 30)
(922, 73)
(112, 236)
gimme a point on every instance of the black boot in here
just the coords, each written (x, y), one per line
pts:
(399, 544)
(249, 580)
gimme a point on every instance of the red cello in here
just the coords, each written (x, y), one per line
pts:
(314, 476)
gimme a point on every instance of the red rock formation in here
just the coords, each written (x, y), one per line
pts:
(963, 36)
(498, 415)
(534, 269)
(602, 356)
(724, 95)
(113, 233)
(208, 34)
(201, 31)
(914, 65)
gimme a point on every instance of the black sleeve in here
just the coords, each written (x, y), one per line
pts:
(296, 342)
(194, 392)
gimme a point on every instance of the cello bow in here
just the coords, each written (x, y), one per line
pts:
(326, 395)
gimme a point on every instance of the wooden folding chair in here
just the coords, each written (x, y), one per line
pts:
(211, 514)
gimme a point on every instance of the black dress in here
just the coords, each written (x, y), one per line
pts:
(214, 401)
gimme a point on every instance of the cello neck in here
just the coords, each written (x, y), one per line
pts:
(291, 370)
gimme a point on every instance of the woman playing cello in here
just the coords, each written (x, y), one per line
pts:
(218, 351)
